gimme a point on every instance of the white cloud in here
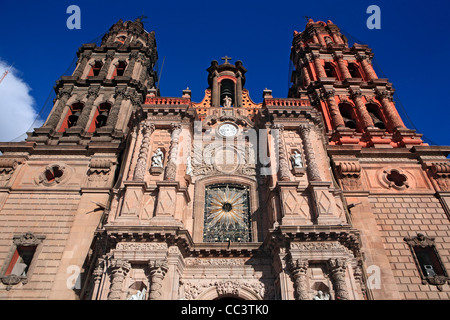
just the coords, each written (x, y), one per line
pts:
(17, 113)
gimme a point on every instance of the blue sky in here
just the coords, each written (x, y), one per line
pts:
(411, 47)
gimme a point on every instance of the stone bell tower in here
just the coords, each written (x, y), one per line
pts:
(396, 186)
(58, 182)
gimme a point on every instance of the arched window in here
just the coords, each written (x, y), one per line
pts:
(227, 93)
(120, 69)
(354, 70)
(375, 114)
(227, 213)
(330, 70)
(100, 116)
(72, 116)
(348, 115)
(95, 70)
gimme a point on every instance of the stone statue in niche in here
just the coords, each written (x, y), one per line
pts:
(227, 102)
(140, 295)
(321, 296)
(296, 160)
(158, 159)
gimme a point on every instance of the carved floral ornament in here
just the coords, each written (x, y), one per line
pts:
(252, 290)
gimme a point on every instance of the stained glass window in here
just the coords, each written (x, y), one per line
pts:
(227, 214)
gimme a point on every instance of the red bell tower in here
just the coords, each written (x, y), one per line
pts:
(358, 107)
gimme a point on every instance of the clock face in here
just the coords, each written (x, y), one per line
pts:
(228, 130)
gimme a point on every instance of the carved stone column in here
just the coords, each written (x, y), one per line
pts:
(335, 113)
(342, 66)
(298, 270)
(392, 115)
(86, 112)
(361, 109)
(97, 275)
(62, 98)
(338, 267)
(132, 62)
(141, 164)
(311, 163)
(319, 67)
(83, 60)
(306, 75)
(119, 270)
(277, 133)
(104, 71)
(171, 169)
(158, 269)
(119, 96)
(367, 67)
(145, 63)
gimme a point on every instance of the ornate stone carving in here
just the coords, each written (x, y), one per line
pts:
(338, 268)
(158, 269)
(227, 288)
(311, 164)
(7, 168)
(440, 171)
(53, 174)
(350, 174)
(28, 239)
(119, 270)
(99, 171)
(141, 163)
(298, 270)
(277, 133)
(171, 168)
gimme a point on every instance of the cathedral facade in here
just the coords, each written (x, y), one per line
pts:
(125, 194)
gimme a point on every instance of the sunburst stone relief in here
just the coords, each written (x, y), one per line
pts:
(227, 214)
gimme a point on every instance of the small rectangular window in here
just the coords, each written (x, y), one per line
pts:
(21, 261)
(428, 261)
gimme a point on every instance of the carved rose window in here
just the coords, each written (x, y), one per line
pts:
(227, 214)
(395, 178)
(52, 175)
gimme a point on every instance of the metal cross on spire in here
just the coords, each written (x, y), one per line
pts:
(226, 58)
